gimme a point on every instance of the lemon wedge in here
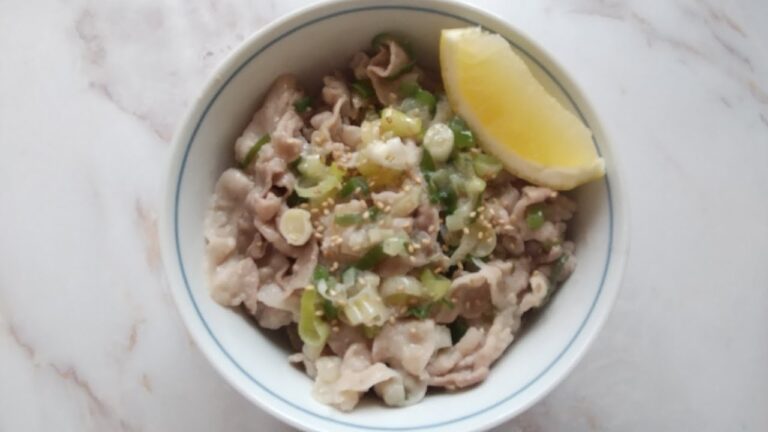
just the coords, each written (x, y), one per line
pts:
(513, 116)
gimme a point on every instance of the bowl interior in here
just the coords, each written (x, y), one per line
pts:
(310, 45)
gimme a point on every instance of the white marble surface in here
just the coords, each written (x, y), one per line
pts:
(90, 92)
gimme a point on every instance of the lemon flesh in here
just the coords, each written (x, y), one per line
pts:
(514, 117)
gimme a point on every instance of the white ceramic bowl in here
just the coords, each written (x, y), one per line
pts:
(311, 42)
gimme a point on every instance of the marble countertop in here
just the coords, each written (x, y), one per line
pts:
(90, 93)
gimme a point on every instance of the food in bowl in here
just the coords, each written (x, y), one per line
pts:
(370, 224)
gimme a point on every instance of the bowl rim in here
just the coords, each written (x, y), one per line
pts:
(261, 40)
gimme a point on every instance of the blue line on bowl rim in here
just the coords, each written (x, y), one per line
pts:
(229, 356)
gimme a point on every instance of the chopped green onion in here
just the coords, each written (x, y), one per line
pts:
(312, 166)
(463, 138)
(366, 308)
(448, 199)
(313, 331)
(354, 184)
(374, 213)
(486, 166)
(435, 286)
(419, 311)
(322, 189)
(371, 258)
(427, 163)
(348, 219)
(427, 99)
(320, 273)
(394, 246)
(438, 139)
(534, 216)
(349, 275)
(371, 332)
(302, 104)
(254, 150)
(399, 123)
(363, 88)
(422, 97)
(458, 329)
(294, 200)
(330, 312)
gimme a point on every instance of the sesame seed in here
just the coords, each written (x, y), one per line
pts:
(407, 188)
(492, 212)
(319, 313)
(309, 287)
(432, 228)
(480, 235)
(481, 209)
(410, 248)
(367, 215)
(466, 230)
(426, 241)
(416, 246)
(392, 319)
(388, 209)
(473, 214)
(326, 212)
(380, 205)
(412, 260)
(401, 288)
(335, 329)
(314, 210)
(334, 266)
(357, 189)
(342, 302)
